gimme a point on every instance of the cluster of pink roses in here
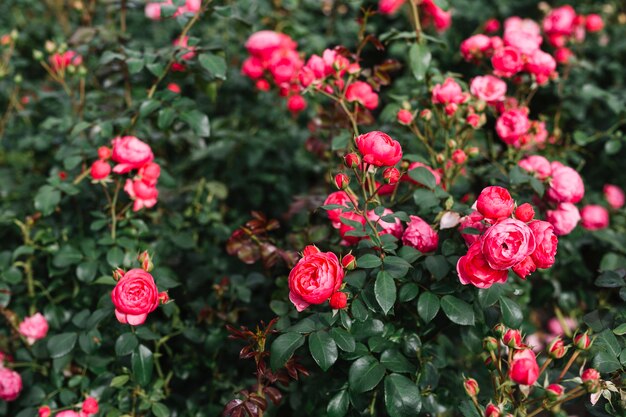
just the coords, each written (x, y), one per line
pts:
(563, 25)
(153, 9)
(430, 12)
(517, 243)
(61, 61)
(87, 408)
(130, 154)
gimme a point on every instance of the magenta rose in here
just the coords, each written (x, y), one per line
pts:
(546, 243)
(130, 153)
(448, 92)
(379, 149)
(507, 243)
(396, 229)
(594, 217)
(68, 413)
(537, 165)
(389, 6)
(564, 218)
(420, 235)
(495, 203)
(262, 44)
(560, 21)
(473, 268)
(34, 328)
(361, 92)
(614, 196)
(134, 297)
(541, 65)
(10, 384)
(143, 195)
(475, 221)
(524, 369)
(507, 62)
(488, 88)
(525, 267)
(475, 46)
(100, 170)
(315, 278)
(566, 185)
(512, 125)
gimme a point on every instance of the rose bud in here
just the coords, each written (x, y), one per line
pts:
(459, 156)
(523, 369)
(525, 212)
(342, 181)
(591, 380)
(555, 391)
(594, 23)
(440, 158)
(582, 341)
(90, 406)
(473, 151)
(348, 262)
(391, 175)
(426, 114)
(471, 387)
(490, 344)
(557, 349)
(512, 338)
(100, 170)
(352, 160)
(44, 411)
(104, 153)
(405, 117)
(118, 274)
(489, 363)
(492, 411)
(163, 297)
(495, 203)
(499, 329)
(146, 261)
(338, 300)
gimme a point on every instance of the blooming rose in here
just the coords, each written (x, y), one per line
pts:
(100, 170)
(263, 43)
(389, 6)
(524, 369)
(339, 198)
(315, 278)
(564, 218)
(150, 173)
(524, 41)
(448, 92)
(488, 88)
(252, 67)
(153, 10)
(473, 268)
(546, 243)
(90, 405)
(130, 153)
(394, 228)
(420, 235)
(433, 13)
(614, 196)
(495, 203)
(134, 296)
(379, 149)
(537, 165)
(560, 21)
(594, 217)
(529, 26)
(507, 243)
(566, 185)
(541, 65)
(594, 23)
(10, 384)
(34, 328)
(60, 61)
(475, 221)
(144, 195)
(361, 92)
(511, 125)
(475, 46)
(507, 62)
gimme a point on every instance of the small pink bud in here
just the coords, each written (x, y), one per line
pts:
(146, 261)
(554, 391)
(459, 157)
(492, 411)
(100, 170)
(499, 329)
(391, 175)
(471, 387)
(90, 406)
(525, 212)
(591, 380)
(582, 341)
(262, 85)
(557, 349)
(163, 297)
(352, 160)
(426, 114)
(104, 153)
(174, 88)
(44, 411)
(473, 151)
(348, 262)
(118, 274)
(342, 181)
(338, 300)
(512, 338)
(490, 344)
(405, 117)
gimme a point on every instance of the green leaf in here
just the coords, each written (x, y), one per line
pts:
(115, 257)
(160, 410)
(338, 405)
(214, 64)
(86, 271)
(359, 311)
(395, 361)
(134, 65)
(148, 106)
(142, 363)
(512, 314)
(419, 60)
(166, 117)
(323, 349)
(610, 279)
(423, 176)
(438, 266)
(408, 292)
(198, 121)
(365, 373)
(5, 295)
(457, 310)
(385, 291)
(620, 330)
(428, 306)
(368, 261)
(283, 347)
(61, 344)
(606, 362)
(119, 381)
(67, 256)
(489, 296)
(343, 338)
(402, 397)
(47, 199)
(126, 344)
(396, 266)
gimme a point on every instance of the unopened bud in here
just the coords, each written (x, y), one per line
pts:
(163, 297)
(146, 261)
(338, 300)
(557, 349)
(426, 114)
(499, 329)
(492, 411)
(50, 47)
(391, 175)
(342, 181)
(525, 212)
(555, 391)
(118, 274)
(405, 117)
(512, 338)
(451, 143)
(459, 157)
(14, 34)
(473, 151)
(471, 387)
(18, 79)
(348, 262)
(582, 341)
(37, 55)
(104, 152)
(352, 160)
(591, 380)
(490, 344)
(440, 158)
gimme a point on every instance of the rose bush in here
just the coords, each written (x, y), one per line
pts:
(270, 208)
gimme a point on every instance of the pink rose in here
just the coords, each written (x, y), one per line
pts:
(473, 268)
(524, 369)
(10, 384)
(379, 149)
(507, 243)
(475, 46)
(507, 62)
(337, 198)
(488, 88)
(134, 296)
(296, 103)
(183, 43)
(44, 411)
(525, 267)
(512, 125)
(191, 6)
(541, 64)
(153, 10)
(68, 413)
(526, 39)
(100, 170)
(415, 165)
(252, 67)
(389, 6)
(396, 229)
(143, 195)
(361, 92)
(537, 165)
(263, 43)
(315, 278)
(594, 23)
(594, 217)
(150, 173)
(475, 221)
(34, 328)
(516, 23)
(433, 13)
(492, 411)
(546, 241)
(60, 61)
(560, 21)
(566, 185)
(404, 117)
(564, 218)
(420, 235)
(448, 92)
(130, 153)
(495, 203)
(614, 196)
(90, 406)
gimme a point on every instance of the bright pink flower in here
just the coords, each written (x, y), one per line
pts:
(459, 157)
(541, 65)
(338, 300)
(524, 41)
(492, 411)
(396, 229)
(475, 120)
(614, 196)
(191, 6)
(560, 21)
(524, 369)
(262, 85)
(10, 384)
(525, 267)
(416, 164)
(433, 13)
(555, 391)
(150, 173)
(183, 43)
(104, 152)
(537, 165)
(448, 92)
(535, 137)
(296, 103)
(135, 296)
(337, 198)
(475, 47)
(361, 92)
(492, 26)
(507, 243)
(594, 217)
(512, 338)
(404, 116)
(252, 67)
(475, 221)
(563, 55)
(524, 212)
(60, 61)
(488, 88)
(90, 405)
(315, 278)
(529, 26)
(546, 243)
(174, 88)
(379, 149)
(564, 218)
(100, 170)
(263, 43)
(495, 203)
(594, 23)
(511, 125)
(473, 268)
(44, 411)
(130, 153)
(34, 327)
(566, 185)
(590, 374)
(144, 195)
(420, 235)
(68, 413)
(507, 62)
(389, 6)
(153, 10)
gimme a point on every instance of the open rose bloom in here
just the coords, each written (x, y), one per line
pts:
(134, 297)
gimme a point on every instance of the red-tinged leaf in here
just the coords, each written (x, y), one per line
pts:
(231, 406)
(274, 394)
(258, 401)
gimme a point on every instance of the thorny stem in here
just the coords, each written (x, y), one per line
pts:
(545, 366)
(575, 393)
(569, 364)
